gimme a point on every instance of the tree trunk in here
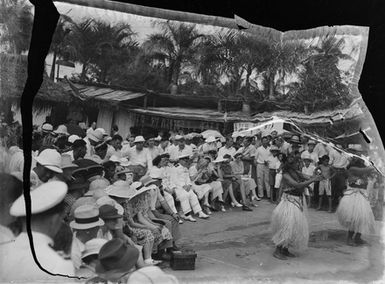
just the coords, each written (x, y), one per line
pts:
(52, 74)
(83, 74)
(271, 87)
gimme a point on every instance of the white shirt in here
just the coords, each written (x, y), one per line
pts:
(337, 159)
(16, 163)
(180, 176)
(20, 265)
(313, 156)
(224, 150)
(112, 152)
(90, 149)
(273, 162)
(154, 152)
(309, 171)
(247, 152)
(320, 150)
(204, 148)
(262, 154)
(138, 158)
(285, 148)
(176, 152)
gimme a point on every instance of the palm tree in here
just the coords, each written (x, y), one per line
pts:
(115, 45)
(173, 46)
(83, 39)
(60, 44)
(16, 20)
(321, 83)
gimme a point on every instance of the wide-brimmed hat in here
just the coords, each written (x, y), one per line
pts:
(100, 183)
(116, 257)
(95, 135)
(50, 159)
(78, 183)
(139, 139)
(306, 156)
(273, 148)
(62, 130)
(93, 247)
(86, 217)
(158, 138)
(122, 170)
(87, 168)
(311, 142)
(73, 138)
(108, 211)
(179, 137)
(102, 130)
(66, 162)
(219, 160)
(124, 162)
(43, 198)
(295, 139)
(115, 159)
(210, 139)
(184, 156)
(106, 200)
(47, 127)
(146, 180)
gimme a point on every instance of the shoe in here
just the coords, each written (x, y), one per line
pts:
(223, 208)
(246, 208)
(255, 198)
(190, 218)
(279, 255)
(360, 242)
(236, 204)
(350, 242)
(180, 221)
(286, 252)
(150, 262)
(203, 215)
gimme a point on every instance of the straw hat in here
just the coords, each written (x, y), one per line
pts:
(73, 138)
(46, 127)
(179, 137)
(106, 200)
(311, 142)
(306, 156)
(219, 160)
(43, 198)
(184, 156)
(93, 247)
(295, 139)
(210, 139)
(100, 183)
(86, 217)
(146, 180)
(139, 139)
(50, 159)
(66, 162)
(95, 135)
(62, 130)
(124, 162)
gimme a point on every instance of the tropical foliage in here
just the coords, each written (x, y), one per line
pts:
(179, 58)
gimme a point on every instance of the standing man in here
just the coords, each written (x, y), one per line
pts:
(46, 216)
(262, 156)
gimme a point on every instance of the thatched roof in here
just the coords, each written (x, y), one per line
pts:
(13, 76)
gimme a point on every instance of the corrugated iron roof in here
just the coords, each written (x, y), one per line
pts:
(87, 92)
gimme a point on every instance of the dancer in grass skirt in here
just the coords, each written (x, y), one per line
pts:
(354, 211)
(289, 223)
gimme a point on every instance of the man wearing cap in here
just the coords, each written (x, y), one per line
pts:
(139, 157)
(48, 164)
(152, 149)
(180, 150)
(46, 210)
(181, 185)
(228, 148)
(261, 159)
(86, 226)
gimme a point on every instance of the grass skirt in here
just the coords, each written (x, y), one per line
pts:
(354, 212)
(289, 224)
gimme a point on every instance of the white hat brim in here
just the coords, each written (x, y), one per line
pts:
(78, 226)
(52, 168)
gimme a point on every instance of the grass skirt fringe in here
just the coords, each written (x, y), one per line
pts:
(354, 212)
(289, 224)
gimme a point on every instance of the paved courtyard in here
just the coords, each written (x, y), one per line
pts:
(235, 247)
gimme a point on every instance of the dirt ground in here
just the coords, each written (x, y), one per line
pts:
(236, 247)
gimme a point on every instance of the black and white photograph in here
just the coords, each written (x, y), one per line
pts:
(177, 147)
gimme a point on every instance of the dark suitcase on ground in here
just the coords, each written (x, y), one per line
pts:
(183, 260)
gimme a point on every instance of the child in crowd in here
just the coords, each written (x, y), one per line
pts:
(308, 171)
(325, 185)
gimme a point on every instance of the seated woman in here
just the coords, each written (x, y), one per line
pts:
(139, 207)
(230, 182)
(204, 174)
(247, 182)
(140, 234)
